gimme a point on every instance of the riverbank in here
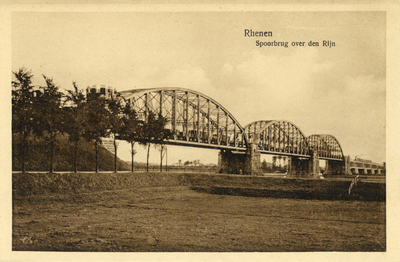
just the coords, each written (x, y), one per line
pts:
(25, 185)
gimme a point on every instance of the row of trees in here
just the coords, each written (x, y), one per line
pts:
(45, 112)
(276, 164)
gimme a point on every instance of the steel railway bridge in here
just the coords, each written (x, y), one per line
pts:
(197, 120)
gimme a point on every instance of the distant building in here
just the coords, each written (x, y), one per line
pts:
(107, 92)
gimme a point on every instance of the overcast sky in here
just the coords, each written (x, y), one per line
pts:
(339, 90)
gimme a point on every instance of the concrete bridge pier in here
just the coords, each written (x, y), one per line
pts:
(252, 163)
(314, 164)
(347, 165)
(230, 162)
(248, 163)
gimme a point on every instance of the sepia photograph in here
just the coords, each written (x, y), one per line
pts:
(154, 130)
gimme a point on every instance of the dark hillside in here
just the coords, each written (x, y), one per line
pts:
(39, 157)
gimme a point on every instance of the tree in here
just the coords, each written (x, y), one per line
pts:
(163, 152)
(264, 165)
(76, 119)
(131, 128)
(274, 163)
(48, 116)
(22, 113)
(97, 123)
(280, 162)
(154, 132)
(284, 162)
(115, 124)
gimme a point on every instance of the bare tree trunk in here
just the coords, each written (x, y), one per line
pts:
(51, 152)
(76, 156)
(23, 151)
(96, 148)
(148, 153)
(161, 151)
(115, 155)
(133, 153)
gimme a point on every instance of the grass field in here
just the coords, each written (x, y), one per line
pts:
(177, 212)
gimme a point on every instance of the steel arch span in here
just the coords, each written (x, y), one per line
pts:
(277, 137)
(327, 146)
(193, 118)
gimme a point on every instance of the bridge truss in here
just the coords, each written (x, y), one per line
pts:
(327, 146)
(277, 137)
(197, 120)
(193, 118)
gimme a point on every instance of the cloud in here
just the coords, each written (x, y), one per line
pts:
(356, 115)
(226, 68)
(298, 87)
(188, 77)
(278, 84)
